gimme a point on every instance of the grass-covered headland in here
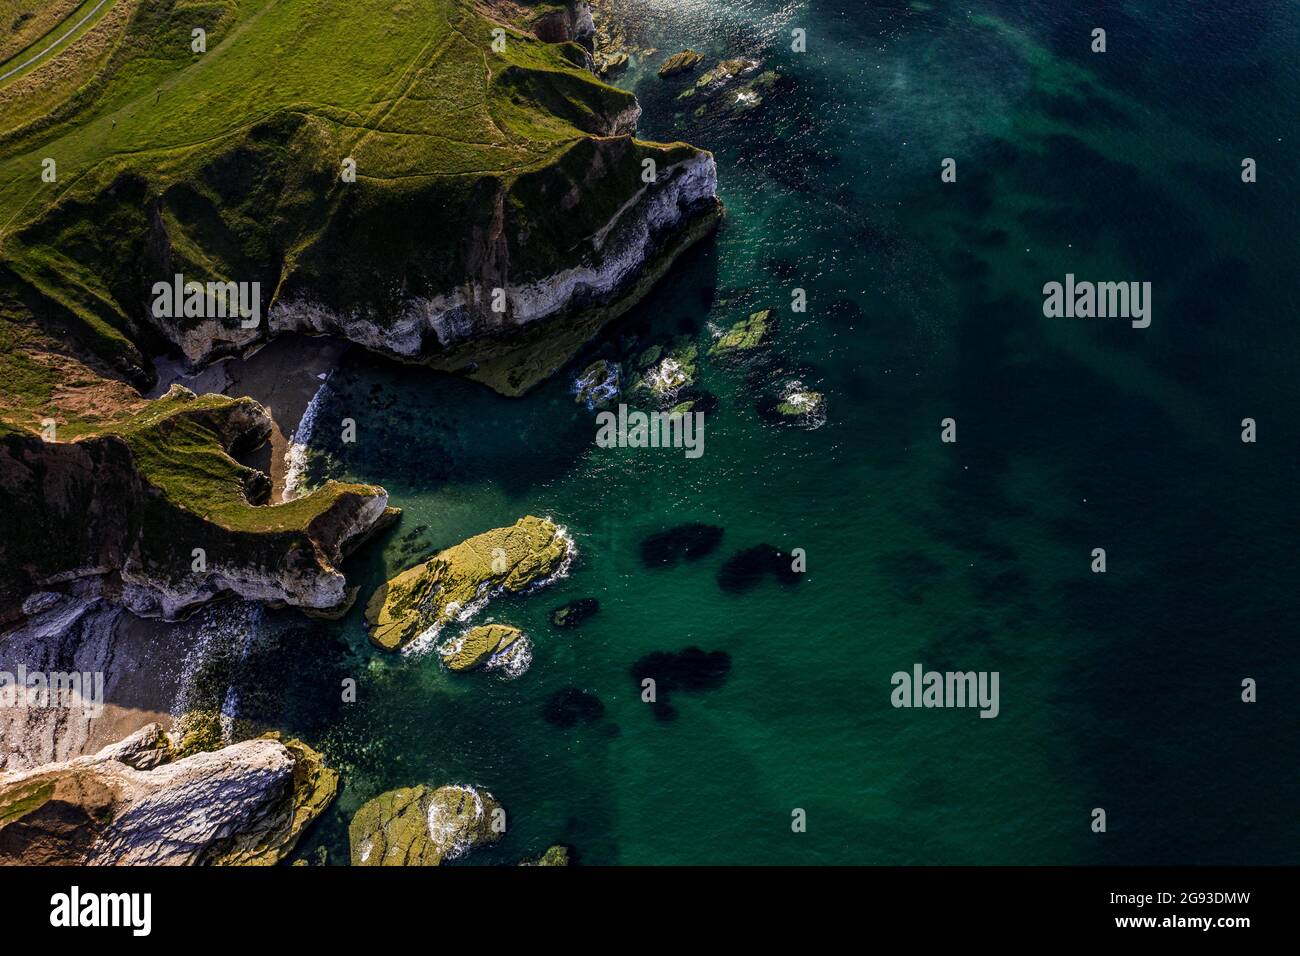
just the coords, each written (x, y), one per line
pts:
(385, 171)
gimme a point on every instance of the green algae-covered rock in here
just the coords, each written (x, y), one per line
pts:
(479, 645)
(682, 62)
(766, 81)
(713, 80)
(672, 370)
(745, 100)
(419, 826)
(393, 830)
(669, 377)
(429, 595)
(196, 731)
(611, 65)
(722, 99)
(598, 385)
(557, 855)
(747, 334)
(314, 787)
(802, 404)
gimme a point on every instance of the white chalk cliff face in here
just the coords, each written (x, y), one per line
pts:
(605, 267)
(149, 574)
(132, 804)
(316, 585)
(615, 255)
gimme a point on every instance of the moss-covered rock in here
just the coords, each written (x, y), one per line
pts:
(665, 371)
(393, 830)
(422, 599)
(598, 385)
(611, 65)
(478, 645)
(313, 788)
(196, 731)
(727, 100)
(419, 826)
(678, 63)
(713, 80)
(802, 404)
(557, 855)
(575, 612)
(745, 335)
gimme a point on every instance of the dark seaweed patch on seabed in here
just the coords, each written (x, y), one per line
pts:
(568, 707)
(685, 542)
(690, 669)
(746, 569)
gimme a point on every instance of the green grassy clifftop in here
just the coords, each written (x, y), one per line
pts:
(482, 160)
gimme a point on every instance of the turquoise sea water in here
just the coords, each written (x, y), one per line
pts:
(1118, 691)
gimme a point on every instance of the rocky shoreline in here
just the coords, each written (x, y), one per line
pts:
(135, 803)
(139, 541)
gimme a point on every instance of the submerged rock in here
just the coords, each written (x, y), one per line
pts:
(133, 803)
(745, 335)
(698, 400)
(575, 612)
(422, 599)
(480, 645)
(682, 62)
(419, 826)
